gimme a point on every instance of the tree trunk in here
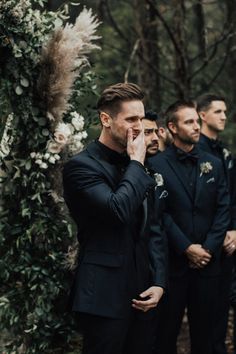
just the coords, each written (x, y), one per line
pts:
(148, 58)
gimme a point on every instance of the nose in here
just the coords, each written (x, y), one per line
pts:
(138, 125)
(223, 116)
(155, 137)
(196, 126)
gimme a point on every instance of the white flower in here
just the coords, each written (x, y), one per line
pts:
(57, 157)
(54, 147)
(38, 161)
(43, 165)
(226, 153)
(205, 167)
(77, 121)
(33, 155)
(52, 159)
(60, 138)
(84, 134)
(63, 129)
(47, 156)
(158, 179)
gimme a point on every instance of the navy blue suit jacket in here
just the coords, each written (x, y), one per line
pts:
(203, 219)
(103, 206)
(230, 175)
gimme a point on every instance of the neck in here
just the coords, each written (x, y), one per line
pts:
(161, 145)
(183, 146)
(105, 139)
(209, 132)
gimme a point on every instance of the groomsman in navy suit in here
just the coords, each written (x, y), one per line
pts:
(198, 204)
(212, 112)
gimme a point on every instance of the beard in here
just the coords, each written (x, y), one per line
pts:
(188, 140)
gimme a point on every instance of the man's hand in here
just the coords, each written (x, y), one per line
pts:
(150, 297)
(198, 256)
(230, 242)
(136, 147)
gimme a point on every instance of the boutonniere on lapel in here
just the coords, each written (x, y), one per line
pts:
(158, 179)
(226, 153)
(205, 167)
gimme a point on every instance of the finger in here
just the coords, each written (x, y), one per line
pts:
(129, 136)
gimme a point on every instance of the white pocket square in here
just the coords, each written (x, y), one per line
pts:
(164, 194)
(211, 180)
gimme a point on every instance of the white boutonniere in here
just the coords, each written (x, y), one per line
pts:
(158, 179)
(226, 153)
(205, 167)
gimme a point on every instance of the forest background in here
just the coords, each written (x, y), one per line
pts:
(172, 49)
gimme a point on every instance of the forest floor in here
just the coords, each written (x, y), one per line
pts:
(183, 341)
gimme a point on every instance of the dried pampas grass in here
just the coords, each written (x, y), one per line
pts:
(62, 60)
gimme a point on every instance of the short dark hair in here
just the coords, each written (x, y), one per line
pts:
(172, 110)
(112, 97)
(151, 115)
(204, 101)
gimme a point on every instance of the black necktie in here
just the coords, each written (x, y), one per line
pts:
(187, 156)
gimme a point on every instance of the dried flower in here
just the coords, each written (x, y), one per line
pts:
(205, 167)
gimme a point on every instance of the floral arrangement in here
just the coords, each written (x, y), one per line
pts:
(205, 167)
(47, 79)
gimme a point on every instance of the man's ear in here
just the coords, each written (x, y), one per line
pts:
(202, 116)
(105, 119)
(173, 128)
(161, 131)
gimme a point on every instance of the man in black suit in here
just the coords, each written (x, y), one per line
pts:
(198, 206)
(121, 267)
(212, 112)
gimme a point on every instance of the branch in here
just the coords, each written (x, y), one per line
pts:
(135, 48)
(206, 62)
(114, 24)
(168, 30)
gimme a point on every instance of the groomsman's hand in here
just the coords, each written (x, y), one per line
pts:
(198, 256)
(136, 147)
(230, 242)
(150, 297)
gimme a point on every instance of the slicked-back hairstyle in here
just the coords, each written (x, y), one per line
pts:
(203, 102)
(151, 115)
(112, 97)
(171, 113)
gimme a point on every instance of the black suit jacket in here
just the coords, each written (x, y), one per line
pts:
(113, 266)
(203, 219)
(229, 171)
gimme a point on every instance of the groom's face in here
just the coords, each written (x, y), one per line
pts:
(130, 115)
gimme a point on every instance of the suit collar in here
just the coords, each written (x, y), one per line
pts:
(177, 168)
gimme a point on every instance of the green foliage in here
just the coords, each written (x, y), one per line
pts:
(35, 231)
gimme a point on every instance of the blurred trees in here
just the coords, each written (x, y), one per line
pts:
(172, 49)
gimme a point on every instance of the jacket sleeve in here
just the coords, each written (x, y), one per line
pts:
(220, 225)
(176, 237)
(86, 187)
(158, 249)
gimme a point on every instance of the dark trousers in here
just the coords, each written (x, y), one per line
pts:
(102, 335)
(199, 295)
(221, 322)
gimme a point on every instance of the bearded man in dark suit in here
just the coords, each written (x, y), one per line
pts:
(212, 112)
(121, 267)
(198, 204)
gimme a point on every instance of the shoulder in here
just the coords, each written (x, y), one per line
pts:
(161, 157)
(84, 159)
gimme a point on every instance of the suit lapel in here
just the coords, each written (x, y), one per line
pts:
(178, 170)
(110, 170)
